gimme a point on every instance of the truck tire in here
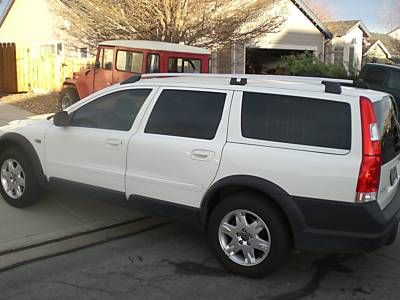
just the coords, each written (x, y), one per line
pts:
(18, 184)
(249, 235)
(68, 96)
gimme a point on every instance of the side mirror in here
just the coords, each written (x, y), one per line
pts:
(61, 119)
(97, 64)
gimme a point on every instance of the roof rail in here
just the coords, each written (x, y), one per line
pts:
(332, 87)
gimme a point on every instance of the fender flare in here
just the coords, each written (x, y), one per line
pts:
(26, 146)
(278, 195)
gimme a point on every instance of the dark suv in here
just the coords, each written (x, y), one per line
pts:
(385, 78)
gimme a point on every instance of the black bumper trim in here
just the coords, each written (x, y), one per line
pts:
(339, 226)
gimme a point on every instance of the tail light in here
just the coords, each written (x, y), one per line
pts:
(370, 169)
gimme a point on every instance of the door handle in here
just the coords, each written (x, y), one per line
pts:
(114, 142)
(202, 155)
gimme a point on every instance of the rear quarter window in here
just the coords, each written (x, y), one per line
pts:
(296, 120)
(388, 129)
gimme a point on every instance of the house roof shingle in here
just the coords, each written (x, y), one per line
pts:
(341, 28)
(391, 44)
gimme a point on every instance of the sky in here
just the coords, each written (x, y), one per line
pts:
(366, 10)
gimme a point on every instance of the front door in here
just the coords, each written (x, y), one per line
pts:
(103, 76)
(92, 150)
(176, 152)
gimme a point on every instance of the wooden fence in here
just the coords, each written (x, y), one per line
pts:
(8, 71)
(35, 68)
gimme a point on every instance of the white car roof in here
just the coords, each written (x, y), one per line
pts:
(158, 46)
(222, 81)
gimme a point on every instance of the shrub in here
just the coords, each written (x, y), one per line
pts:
(308, 65)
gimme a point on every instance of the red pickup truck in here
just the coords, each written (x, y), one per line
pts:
(120, 59)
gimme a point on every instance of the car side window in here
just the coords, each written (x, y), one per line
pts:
(184, 65)
(394, 80)
(190, 114)
(296, 120)
(106, 58)
(116, 111)
(129, 61)
(153, 63)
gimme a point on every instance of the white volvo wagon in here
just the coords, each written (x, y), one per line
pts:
(263, 164)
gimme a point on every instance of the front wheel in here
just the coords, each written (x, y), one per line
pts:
(249, 235)
(19, 186)
(68, 96)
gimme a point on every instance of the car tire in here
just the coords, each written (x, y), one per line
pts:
(16, 171)
(272, 228)
(67, 97)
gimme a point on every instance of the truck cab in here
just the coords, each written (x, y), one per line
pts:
(120, 59)
(384, 78)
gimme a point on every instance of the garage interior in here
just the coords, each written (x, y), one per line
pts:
(265, 61)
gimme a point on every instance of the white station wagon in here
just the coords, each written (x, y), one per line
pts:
(263, 163)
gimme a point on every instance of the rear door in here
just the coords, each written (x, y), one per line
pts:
(390, 144)
(175, 154)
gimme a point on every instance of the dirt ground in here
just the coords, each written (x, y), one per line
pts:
(35, 103)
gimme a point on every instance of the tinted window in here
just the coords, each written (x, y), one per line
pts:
(153, 63)
(394, 80)
(184, 65)
(129, 61)
(375, 76)
(116, 111)
(191, 114)
(296, 120)
(388, 129)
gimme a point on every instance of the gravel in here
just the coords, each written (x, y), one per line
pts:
(35, 103)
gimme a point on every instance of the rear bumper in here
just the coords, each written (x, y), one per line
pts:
(338, 226)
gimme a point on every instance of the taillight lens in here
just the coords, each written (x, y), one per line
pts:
(370, 169)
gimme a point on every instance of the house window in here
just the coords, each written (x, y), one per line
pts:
(59, 48)
(339, 53)
(83, 52)
(351, 57)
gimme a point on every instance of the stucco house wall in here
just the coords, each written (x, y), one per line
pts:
(28, 21)
(297, 32)
(353, 39)
(32, 23)
(395, 33)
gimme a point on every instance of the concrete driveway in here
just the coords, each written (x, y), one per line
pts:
(58, 216)
(174, 262)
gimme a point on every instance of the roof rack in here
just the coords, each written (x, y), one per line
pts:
(132, 79)
(332, 87)
(236, 81)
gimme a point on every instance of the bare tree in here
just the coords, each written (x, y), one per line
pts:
(207, 23)
(322, 8)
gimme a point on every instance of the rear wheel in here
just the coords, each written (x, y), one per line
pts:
(19, 186)
(68, 96)
(249, 235)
